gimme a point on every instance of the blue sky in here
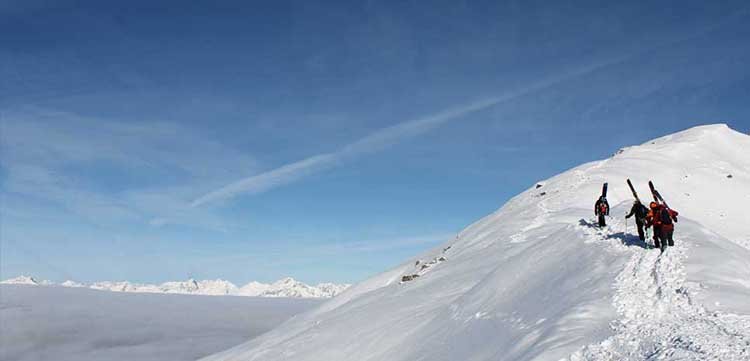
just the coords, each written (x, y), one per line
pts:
(160, 140)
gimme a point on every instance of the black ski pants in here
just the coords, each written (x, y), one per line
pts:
(602, 221)
(657, 237)
(641, 232)
(666, 236)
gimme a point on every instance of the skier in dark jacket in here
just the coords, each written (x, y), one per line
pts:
(601, 209)
(640, 212)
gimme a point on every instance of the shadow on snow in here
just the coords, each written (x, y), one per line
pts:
(626, 239)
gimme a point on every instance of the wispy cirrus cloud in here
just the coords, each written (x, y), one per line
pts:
(390, 244)
(289, 254)
(105, 171)
(381, 139)
(391, 135)
(410, 128)
(371, 143)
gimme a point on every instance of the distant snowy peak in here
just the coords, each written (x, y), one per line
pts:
(285, 287)
(289, 287)
(182, 287)
(124, 286)
(205, 287)
(331, 289)
(191, 286)
(21, 280)
(253, 289)
(74, 284)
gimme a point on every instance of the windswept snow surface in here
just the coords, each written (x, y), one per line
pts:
(537, 281)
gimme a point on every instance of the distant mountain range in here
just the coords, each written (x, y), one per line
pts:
(285, 287)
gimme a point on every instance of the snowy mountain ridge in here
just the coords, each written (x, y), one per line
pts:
(286, 287)
(538, 280)
(289, 287)
(25, 280)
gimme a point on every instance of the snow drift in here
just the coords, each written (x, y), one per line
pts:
(537, 281)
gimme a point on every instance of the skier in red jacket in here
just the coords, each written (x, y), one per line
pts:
(662, 219)
(601, 209)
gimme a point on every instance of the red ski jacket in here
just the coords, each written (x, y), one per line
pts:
(661, 216)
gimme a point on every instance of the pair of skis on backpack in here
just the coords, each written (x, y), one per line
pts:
(658, 199)
(601, 207)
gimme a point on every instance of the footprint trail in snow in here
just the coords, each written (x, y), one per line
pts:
(658, 318)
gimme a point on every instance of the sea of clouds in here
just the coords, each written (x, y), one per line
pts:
(58, 323)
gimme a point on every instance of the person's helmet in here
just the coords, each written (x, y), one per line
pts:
(653, 205)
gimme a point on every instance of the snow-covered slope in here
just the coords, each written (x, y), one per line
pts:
(286, 287)
(536, 280)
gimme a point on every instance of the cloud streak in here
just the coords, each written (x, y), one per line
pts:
(411, 128)
(371, 143)
(378, 140)
(106, 172)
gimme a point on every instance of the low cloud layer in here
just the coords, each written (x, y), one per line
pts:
(56, 323)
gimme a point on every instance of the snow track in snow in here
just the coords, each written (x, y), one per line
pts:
(658, 318)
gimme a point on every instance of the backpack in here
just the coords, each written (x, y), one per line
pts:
(602, 206)
(664, 216)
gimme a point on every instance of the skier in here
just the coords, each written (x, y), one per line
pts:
(601, 209)
(668, 217)
(662, 218)
(653, 221)
(640, 212)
